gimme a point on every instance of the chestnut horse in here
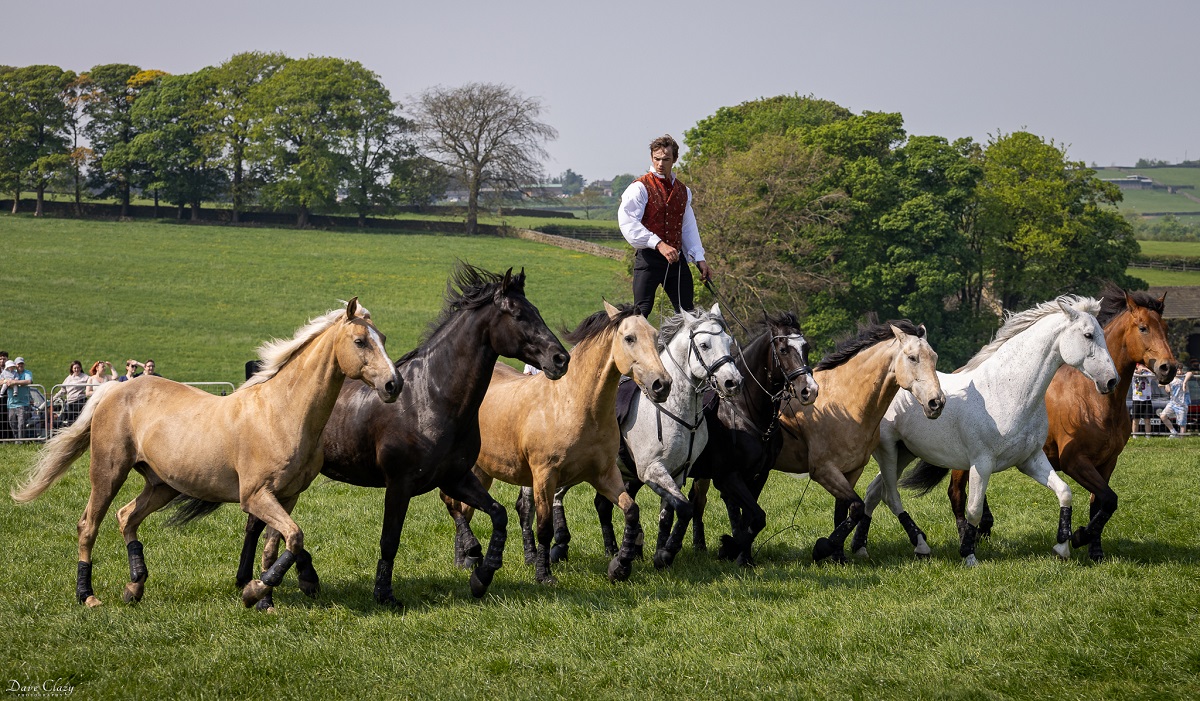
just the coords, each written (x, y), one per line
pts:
(1089, 430)
(260, 446)
(833, 438)
(542, 434)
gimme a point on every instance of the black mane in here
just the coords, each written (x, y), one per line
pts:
(469, 287)
(867, 337)
(597, 324)
(1113, 303)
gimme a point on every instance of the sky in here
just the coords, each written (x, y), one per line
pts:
(1110, 81)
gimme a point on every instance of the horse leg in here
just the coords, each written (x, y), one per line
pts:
(670, 542)
(155, 495)
(562, 534)
(752, 520)
(468, 490)
(604, 509)
(978, 477)
(1103, 504)
(848, 505)
(467, 550)
(270, 554)
(108, 473)
(1039, 468)
(892, 458)
(395, 508)
(254, 529)
(543, 503)
(525, 517)
(263, 504)
(698, 496)
(609, 484)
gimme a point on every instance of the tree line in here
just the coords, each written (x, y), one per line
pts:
(261, 129)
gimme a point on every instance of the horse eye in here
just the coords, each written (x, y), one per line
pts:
(360, 342)
(704, 346)
(912, 358)
(630, 339)
(786, 350)
(1143, 329)
(1088, 335)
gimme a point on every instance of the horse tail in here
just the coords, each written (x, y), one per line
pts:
(59, 453)
(923, 478)
(188, 509)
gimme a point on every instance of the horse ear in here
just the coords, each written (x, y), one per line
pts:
(1071, 312)
(507, 280)
(897, 332)
(611, 310)
(1163, 300)
(351, 307)
(716, 311)
(923, 333)
(1130, 303)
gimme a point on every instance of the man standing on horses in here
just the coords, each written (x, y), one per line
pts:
(656, 219)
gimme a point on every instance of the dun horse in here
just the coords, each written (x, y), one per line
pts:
(832, 439)
(546, 435)
(259, 446)
(1088, 430)
(430, 438)
(995, 414)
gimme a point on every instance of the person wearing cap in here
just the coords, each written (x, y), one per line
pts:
(656, 218)
(18, 399)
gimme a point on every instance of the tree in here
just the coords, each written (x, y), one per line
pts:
(590, 198)
(572, 182)
(621, 182)
(109, 93)
(15, 132)
(379, 136)
(733, 128)
(234, 116)
(42, 95)
(416, 180)
(483, 134)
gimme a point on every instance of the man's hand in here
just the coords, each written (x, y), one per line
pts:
(668, 251)
(705, 271)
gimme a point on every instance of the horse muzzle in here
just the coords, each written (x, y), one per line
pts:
(554, 364)
(389, 391)
(1164, 372)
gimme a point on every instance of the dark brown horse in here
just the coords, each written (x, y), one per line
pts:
(1088, 430)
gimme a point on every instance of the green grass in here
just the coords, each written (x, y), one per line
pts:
(1165, 278)
(1021, 625)
(1170, 249)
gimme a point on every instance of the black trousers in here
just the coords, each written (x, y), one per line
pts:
(650, 270)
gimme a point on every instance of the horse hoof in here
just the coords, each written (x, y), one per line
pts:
(728, 550)
(310, 587)
(388, 599)
(861, 553)
(133, 592)
(470, 562)
(1097, 556)
(970, 561)
(822, 549)
(663, 559)
(922, 556)
(558, 553)
(1063, 550)
(746, 561)
(265, 605)
(92, 602)
(619, 571)
(253, 592)
(548, 580)
(481, 579)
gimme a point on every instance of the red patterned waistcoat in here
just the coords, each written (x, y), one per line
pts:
(665, 205)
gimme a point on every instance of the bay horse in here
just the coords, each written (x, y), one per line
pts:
(659, 442)
(429, 439)
(833, 438)
(542, 434)
(995, 414)
(1088, 430)
(258, 446)
(744, 435)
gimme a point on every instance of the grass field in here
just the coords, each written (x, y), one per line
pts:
(1021, 625)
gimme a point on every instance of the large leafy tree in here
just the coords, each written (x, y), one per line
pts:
(233, 115)
(15, 134)
(109, 92)
(42, 92)
(734, 128)
(483, 134)
(378, 137)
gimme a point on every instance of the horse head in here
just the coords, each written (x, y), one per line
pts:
(701, 345)
(634, 351)
(915, 368)
(361, 356)
(1081, 344)
(789, 356)
(1145, 336)
(519, 331)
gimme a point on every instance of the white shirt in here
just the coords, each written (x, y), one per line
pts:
(629, 217)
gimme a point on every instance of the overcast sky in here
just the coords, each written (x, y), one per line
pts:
(1113, 81)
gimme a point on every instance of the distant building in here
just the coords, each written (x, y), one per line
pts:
(1132, 182)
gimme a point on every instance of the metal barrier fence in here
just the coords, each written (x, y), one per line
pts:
(50, 414)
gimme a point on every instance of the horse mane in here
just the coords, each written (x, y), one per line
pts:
(469, 287)
(1113, 303)
(276, 353)
(1015, 323)
(672, 325)
(598, 324)
(868, 336)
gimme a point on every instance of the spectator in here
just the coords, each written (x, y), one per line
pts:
(6, 368)
(1177, 405)
(73, 394)
(149, 367)
(1143, 409)
(18, 400)
(530, 370)
(97, 376)
(131, 367)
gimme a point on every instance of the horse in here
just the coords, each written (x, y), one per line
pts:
(744, 437)
(659, 442)
(832, 438)
(542, 434)
(258, 446)
(1088, 431)
(995, 415)
(429, 439)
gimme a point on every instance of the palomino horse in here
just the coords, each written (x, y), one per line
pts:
(832, 438)
(1088, 431)
(549, 434)
(995, 414)
(259, 446)
(743, 434)
(659, 442)
(429, 439)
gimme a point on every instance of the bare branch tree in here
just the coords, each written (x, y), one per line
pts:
(484, 134)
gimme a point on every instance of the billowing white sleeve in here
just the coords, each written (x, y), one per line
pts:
(691, 233)
(629, 217)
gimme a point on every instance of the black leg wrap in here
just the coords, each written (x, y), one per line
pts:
(860, 534)
(274, 576)
(137, 563)
(966, 547)
(911, 528)
(1064, 524)
(986, 521)
(83, 581)
(383, 582)
(562, 534)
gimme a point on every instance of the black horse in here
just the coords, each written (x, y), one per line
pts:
(743, 442)
(430, 438)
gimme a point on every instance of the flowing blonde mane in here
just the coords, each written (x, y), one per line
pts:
(276, 353)
(1015, 323)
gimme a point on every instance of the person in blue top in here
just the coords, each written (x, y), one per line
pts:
(1177, 405)
(17, 388)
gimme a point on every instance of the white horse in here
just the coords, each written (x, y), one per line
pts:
(995, 415)
(661, 441)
